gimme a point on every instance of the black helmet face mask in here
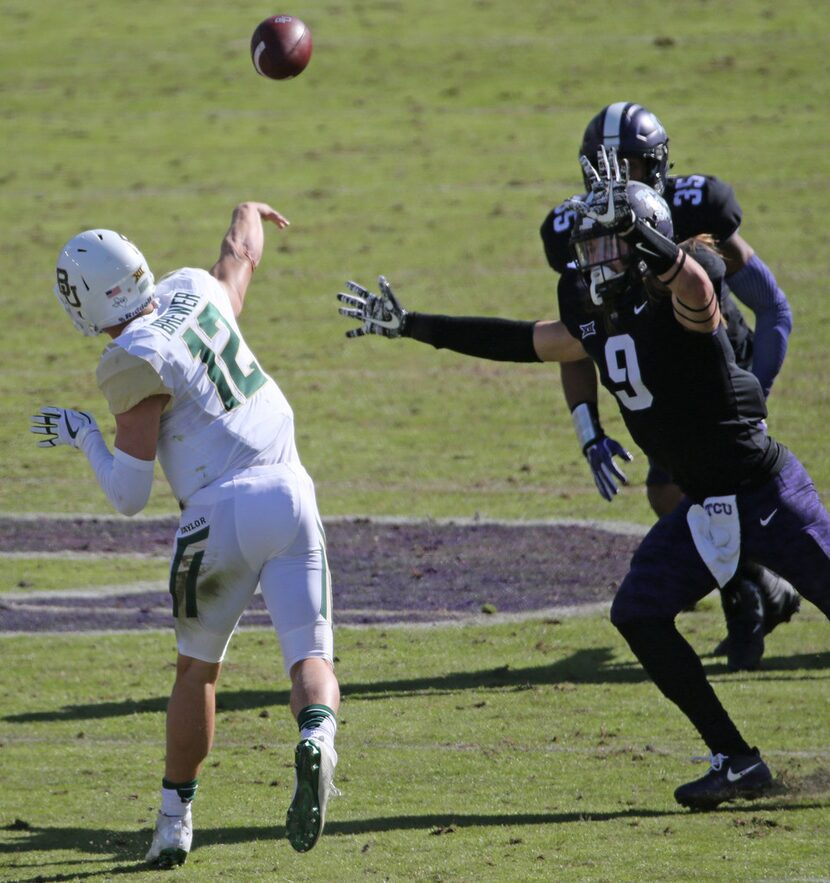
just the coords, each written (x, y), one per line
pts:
(603, 259)
(616, 218)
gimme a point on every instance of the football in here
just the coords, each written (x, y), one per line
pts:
(281, 47)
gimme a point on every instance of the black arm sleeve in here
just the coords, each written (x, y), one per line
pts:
(503, 340)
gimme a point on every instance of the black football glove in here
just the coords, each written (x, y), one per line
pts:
(608, 203)
(379, 314)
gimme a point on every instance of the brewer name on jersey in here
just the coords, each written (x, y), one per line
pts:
(181, 306)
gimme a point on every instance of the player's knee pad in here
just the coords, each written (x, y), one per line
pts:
(315, 640)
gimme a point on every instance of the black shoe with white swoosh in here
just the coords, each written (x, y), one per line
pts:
(740, 776)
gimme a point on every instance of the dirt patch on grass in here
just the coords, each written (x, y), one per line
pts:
(382, 571)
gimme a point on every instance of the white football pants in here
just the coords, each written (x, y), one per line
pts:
(261, 526)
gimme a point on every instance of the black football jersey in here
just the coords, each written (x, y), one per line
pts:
(702, 204)
(699, 204)
(682, 396)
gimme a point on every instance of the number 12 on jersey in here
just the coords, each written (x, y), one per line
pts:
(219, 347)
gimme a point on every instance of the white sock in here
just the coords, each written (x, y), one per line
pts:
(322, 732)
(172, 804)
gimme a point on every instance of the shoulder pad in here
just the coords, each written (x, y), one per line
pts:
(126, 379)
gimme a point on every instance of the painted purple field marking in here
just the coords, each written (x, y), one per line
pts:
(384, 571)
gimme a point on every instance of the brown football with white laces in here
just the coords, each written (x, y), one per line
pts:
(281, 47)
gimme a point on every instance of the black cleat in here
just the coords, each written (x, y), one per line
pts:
(739, 777)
(780, 600)
(743, 607)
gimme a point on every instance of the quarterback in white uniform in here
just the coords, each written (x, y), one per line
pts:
(184, 387)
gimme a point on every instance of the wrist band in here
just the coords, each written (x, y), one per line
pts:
(586, 423)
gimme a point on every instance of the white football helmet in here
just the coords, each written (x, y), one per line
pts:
(103, 280)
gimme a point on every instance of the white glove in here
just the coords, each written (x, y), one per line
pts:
(380, 314)
(62, 426)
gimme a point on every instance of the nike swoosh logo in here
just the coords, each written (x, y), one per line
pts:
(646, 251)
(72, 432)
(766, 521)
(640, 308)
(736, 777)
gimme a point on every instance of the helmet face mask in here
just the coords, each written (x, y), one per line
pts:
(606, 250)
(603, 259)
(655, 164)
(635, 133)
(103, 280)
(607, 263)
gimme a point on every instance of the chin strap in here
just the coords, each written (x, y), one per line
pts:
(597, 279)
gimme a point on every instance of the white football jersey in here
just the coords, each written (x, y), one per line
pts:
(225, 413)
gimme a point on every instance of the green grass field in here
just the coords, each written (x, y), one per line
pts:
(425, 141)
(534, 751)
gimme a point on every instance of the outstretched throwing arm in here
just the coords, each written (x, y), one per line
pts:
(241, 249)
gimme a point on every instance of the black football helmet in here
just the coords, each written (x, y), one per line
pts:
(634, 132)
(606, 261)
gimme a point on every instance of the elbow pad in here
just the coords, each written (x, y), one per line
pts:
(124, 479)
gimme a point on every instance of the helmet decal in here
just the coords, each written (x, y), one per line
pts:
(69, 292)
(102, 280)
(612, 122)
(648, 204)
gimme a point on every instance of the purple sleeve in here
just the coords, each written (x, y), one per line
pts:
(755, 286)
